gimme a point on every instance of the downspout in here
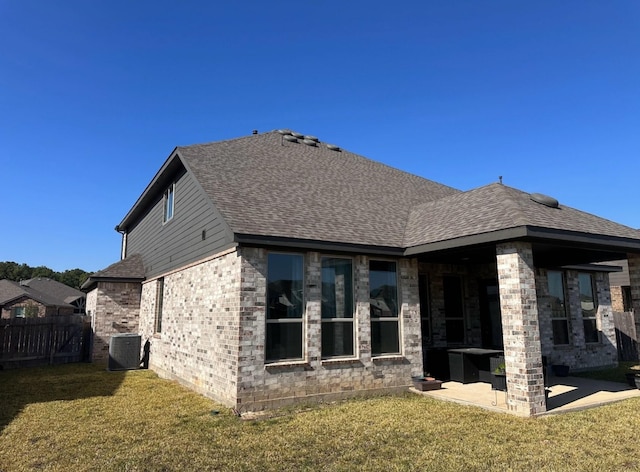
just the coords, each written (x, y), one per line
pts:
(123, 246)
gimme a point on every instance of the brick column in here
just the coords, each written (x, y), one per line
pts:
(634, 280)
(520, 329)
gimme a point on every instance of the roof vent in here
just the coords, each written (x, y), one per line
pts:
(309, 142)
(297, 135)
(544, 200)
(284, 131)
(333, 147)
(312, 138)
(288, 137)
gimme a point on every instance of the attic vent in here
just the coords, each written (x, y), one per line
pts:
(288, 137)
(309, 142)
(544, 200)
(312, 138)
(284, 131)
(333, 147)
(297, 135)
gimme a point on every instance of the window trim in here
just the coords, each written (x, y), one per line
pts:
(169, 195)
(352, 320)
(302, 320)
(594, 317)
(566, 317)
(157, 322)
(23, 312)
(383, 319)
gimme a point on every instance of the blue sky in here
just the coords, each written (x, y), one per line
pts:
(96, 94)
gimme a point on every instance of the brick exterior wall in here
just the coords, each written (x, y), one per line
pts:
(521, 334)
(314, 379)
(578, 355)
(114, 308)
(617, 299)
(213, 335)
(199, 342)
(39, 309)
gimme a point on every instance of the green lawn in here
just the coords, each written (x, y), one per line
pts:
(80, 417)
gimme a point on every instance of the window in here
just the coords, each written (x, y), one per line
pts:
(425, 314)
(383, 303)
(559, 321)
(18, 312)
(159, 302)
(337, 307)
(453, 309)
(285, 306)
(589, 307)
(169, 197)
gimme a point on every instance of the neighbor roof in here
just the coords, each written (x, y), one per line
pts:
(11, 291)
(54, 288)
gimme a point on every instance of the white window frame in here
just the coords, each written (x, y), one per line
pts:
(300, 320)
(345, 320)
(564, 318)
(387, 319)
(591, 318)
(157, 322)
(169, 203)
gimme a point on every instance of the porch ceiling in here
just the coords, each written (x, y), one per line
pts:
(545, 254)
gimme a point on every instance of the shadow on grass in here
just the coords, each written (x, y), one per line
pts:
(21, 387)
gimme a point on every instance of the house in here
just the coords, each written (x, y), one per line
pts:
(39, 297)
(276, 268)
(621, 287)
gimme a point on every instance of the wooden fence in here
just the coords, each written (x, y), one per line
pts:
(51, 340)
(626, 336)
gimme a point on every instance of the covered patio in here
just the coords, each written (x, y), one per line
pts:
(521, 274)
(566, 394)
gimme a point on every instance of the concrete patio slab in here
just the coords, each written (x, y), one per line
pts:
(566, 394)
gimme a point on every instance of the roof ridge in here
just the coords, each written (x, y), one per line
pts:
(520, 217)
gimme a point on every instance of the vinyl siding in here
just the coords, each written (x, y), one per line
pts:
(178, 242)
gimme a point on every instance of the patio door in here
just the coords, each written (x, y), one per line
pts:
(490, 316)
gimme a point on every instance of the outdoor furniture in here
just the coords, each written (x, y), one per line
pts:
(471, 364)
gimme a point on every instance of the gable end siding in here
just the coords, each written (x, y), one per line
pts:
(178, 242)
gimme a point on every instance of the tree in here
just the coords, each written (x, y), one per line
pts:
(17, 272)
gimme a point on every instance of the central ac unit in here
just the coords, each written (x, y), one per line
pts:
(124, 352)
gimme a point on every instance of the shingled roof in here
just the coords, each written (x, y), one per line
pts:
(266, 185)
(129, 269)
(281, 184)
(497, 207)
(11, 291)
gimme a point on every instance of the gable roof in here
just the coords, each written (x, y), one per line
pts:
(129, 269)
(54, 288)
(11, 291)
(497, 208)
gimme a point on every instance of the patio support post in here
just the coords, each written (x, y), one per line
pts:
(634, 281)
(520, 329)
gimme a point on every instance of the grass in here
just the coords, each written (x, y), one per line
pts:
(612, 375)
(80, 417)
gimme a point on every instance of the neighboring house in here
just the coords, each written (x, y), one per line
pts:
(39, 297)
(275, 268)
(621, 288)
